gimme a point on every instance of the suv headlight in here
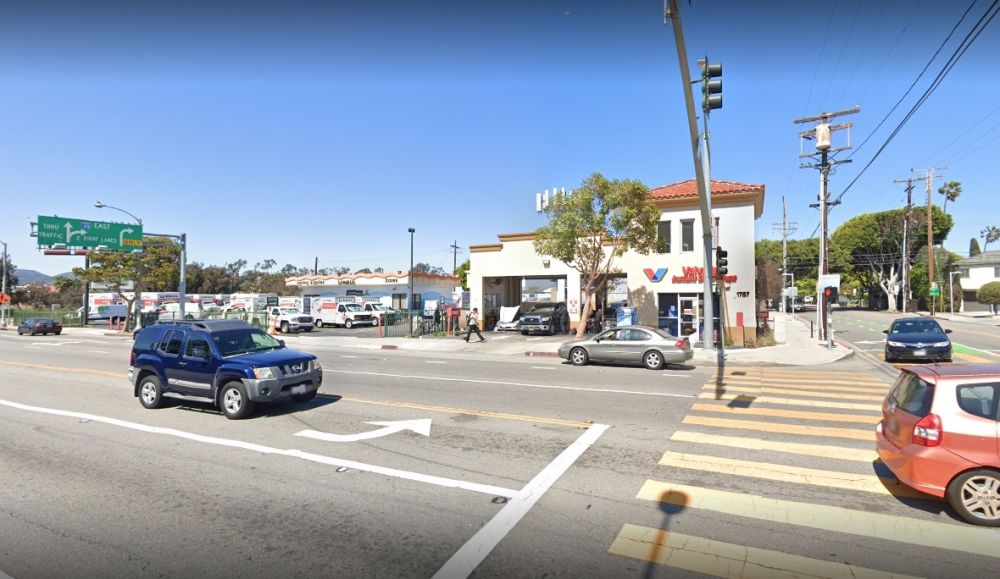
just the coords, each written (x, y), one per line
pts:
(940, 344)
(544, 318)
(264, 373)
(316, 365)
(895, 344)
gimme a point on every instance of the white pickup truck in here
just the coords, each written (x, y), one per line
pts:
(289, 320)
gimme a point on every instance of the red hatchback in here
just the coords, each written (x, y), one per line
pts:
(939, 434)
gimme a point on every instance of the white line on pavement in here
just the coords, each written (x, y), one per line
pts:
(542, 368)
(98, 352)
(435, 361)
(294, 453)
(521, 384)
(472, 553)
(348, 356)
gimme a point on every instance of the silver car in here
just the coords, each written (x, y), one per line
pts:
(644, 345)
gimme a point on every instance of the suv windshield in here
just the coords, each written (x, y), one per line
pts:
(236, 342)
(542, 310)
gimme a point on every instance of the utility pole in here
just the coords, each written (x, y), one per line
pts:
(929, 177)
(316, 266)
(822, 133)
(786, 228)
(454, 257)
(906, 239)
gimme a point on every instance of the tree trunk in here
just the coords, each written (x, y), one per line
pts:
(581, 328)
(890, 297)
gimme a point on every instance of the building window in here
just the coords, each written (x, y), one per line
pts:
(965, 272)
(663, 237)
(399, 301)
(687, 235)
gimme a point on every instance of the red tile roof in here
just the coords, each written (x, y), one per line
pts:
(689, 189)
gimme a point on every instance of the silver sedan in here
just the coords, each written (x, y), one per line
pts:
(644, 345)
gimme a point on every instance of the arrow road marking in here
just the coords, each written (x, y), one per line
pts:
(421, 426)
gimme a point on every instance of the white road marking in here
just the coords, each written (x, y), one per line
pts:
(98, 352)
(435, 361)
(294, 453)
(520, 384)
(348, 356)
(542, 368)
(421, 426)
(476, 549)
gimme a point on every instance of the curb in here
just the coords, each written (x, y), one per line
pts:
(389, 347)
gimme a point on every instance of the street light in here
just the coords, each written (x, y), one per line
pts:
(410, 278)
(100, 205)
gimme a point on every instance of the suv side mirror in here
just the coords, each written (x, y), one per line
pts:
(885, 331)
(947, 331)
(282, 343)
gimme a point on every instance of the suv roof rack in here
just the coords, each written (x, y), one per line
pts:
(207, 325)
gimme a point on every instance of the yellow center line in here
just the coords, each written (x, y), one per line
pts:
(782, 428)
(820, 450)
(979, 541)
(794, 402)
(470, 412)
(792, 474)
(64, 369)
(773, 390)
(780, 413)
(719, 559)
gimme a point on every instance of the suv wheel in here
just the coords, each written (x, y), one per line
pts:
(975, 496)
(284, 327)
(579, 357)
(233, 401)
(303, 398)
(150, 392)
(652, 360)
(348, 323)
(319, 323)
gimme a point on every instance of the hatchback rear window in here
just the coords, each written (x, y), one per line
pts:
(912, 395)
(979, 399)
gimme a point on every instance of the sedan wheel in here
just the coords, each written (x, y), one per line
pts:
(975, 496)
(652, 360)
(579, 357)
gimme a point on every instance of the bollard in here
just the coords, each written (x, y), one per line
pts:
(810, 329)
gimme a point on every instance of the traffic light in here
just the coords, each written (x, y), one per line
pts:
(832, 294)
(721, 262)
(711, 87)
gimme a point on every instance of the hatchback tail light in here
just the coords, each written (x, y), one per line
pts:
(927, 432)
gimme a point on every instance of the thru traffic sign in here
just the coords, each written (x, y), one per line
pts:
(90, 234)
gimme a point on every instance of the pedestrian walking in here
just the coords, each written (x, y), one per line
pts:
(474, 325)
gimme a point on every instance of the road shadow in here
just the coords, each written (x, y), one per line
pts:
(670, 503)
(281, 408)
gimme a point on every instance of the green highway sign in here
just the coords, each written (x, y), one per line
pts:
(75, 233)
(935, 290)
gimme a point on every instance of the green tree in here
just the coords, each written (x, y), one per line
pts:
(427, 268)
(989, 294)
(596, 224)
(870, 246)
(155, 269)
(951, 190)
(463, 273)
(990, 235)
(974, 247)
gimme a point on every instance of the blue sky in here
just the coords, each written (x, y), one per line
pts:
(298, 130)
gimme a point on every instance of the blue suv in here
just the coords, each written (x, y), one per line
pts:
(225, 362)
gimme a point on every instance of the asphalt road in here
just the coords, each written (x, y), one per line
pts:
(531, 468)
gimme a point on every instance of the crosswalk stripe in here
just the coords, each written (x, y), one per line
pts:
(781, 428)
(814, 394)
(719, 559)
(781, 413)
(792, 474)
(979, 541)
(970, 358)
(820, 450)
(817, 387)
(795, 402)
(796, 373)
(804, 380)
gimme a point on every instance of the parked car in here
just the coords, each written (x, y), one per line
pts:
(917, 339)
(33, 326)
(225, 362)
(799, 305)
(547, 318)
(650, 347)
(510, 319)
(939, 435)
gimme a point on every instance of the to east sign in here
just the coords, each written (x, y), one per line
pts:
(91, 234)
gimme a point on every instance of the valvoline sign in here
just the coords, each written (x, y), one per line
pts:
(655, 275)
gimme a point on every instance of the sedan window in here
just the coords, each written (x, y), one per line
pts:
(637, 335)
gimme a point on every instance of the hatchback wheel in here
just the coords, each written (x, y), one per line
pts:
(150, 392)
(579, 357)
(975, 496)
(652, 360)
(234, 402)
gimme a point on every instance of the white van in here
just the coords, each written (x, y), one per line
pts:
(172, 311)
(346, 312)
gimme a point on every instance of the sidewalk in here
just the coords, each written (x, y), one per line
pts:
(799, 348)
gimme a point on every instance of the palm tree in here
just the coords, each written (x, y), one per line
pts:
(951, 190)
(989, 235)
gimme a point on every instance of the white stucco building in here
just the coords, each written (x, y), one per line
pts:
(975, 272)
(666, 288)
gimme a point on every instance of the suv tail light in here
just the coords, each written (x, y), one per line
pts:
(927, 432)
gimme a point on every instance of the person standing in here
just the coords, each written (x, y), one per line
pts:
(474, 325)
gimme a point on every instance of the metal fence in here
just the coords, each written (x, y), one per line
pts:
(416, 323)
(68, 318)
